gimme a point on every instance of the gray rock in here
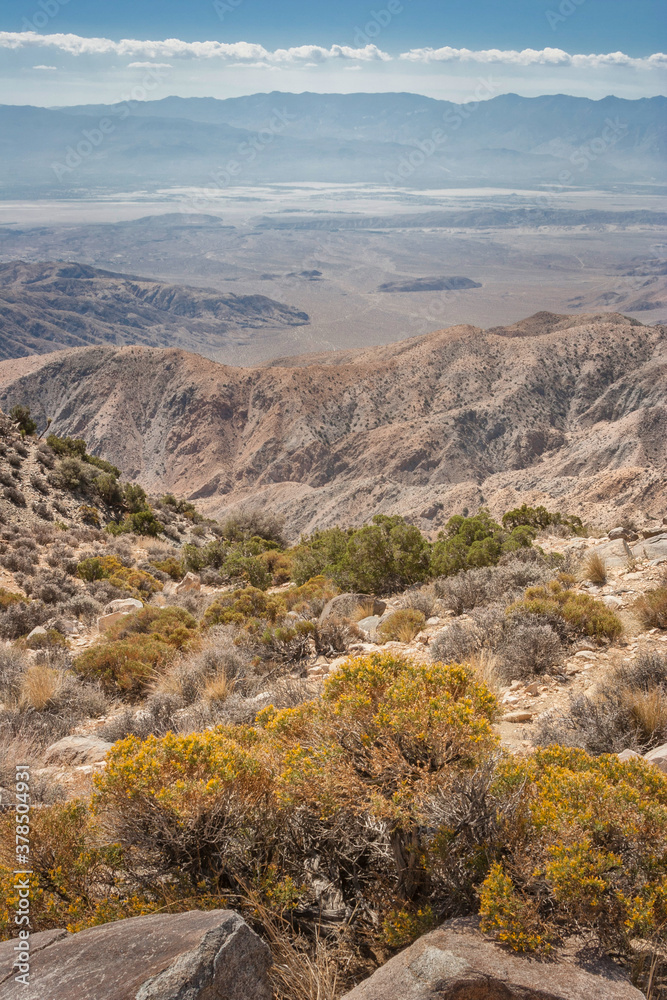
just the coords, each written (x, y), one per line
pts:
(369, 624)
(612, 602)
(77, 750)
(456, 961)
(345, 605)
(626, 755)
(181, 956)
(652, 548)
(39, 630)
(653, 530)
(615, 552)
(622, 533)
(658, 757)
(125, 604)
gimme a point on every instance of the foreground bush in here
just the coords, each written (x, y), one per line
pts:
(394, 787)
(586, 847)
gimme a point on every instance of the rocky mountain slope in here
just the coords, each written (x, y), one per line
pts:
(566, 410)
(52, 306)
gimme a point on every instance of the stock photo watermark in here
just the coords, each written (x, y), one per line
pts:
(224, 7)
(564, 10)
(92, 138)
(48, 9)
(22, 874)
(246, 152)
(452, 120)
(378, 21)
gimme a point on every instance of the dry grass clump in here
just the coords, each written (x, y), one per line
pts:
(401, 626)
(627, 711)
(595, 569)
(40, 687)
(652, 607)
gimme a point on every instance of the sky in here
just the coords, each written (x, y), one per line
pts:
(59, 52)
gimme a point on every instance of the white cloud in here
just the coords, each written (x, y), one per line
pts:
(532, 57)
(149, 65)
(45, 67)
(171, 48)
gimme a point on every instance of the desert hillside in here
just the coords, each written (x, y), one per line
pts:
(51, 306)
(570, 409)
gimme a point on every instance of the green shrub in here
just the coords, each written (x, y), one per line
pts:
(471, 542)
(540, 518)
(172, 566)
(22, 418)
(581, 613)
(381, 557)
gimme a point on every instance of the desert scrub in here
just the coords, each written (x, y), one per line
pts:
(580, 614)
(340, 777)
(136, 582)
(586, 847)
(137, 649)
(595, 569)
(309, 599)
(628, 711)
(652, 608)
(245, 607)
(402, 626)
(8, 597)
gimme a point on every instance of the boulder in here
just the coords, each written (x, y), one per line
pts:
(77, 750)
(625, 533)
(612, 602)
(39, 630)
(626, 755)
(125, 604)
(457, 962)
(369, 624)
(189, 583)
(180, 956)
(517, 717)
(652, 530)
(654, 547)
(615, 552)
(345, 605)
(106, 621)
(658, 757)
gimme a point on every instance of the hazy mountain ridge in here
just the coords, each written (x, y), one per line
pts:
(571, 410)
(52, 306)
(365, 138)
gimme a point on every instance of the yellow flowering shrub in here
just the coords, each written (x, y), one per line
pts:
(586, 848)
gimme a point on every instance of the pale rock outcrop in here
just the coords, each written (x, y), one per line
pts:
(189, 584)
(77, 750)
(458, 962)
(181, 956)
(345, 605)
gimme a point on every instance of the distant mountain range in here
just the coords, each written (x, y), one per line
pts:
(400, 139)
(570, 411)
(48, 307)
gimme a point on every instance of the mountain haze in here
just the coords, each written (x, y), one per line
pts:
(358, 138)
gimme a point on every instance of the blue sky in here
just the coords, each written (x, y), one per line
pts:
(69, 51)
